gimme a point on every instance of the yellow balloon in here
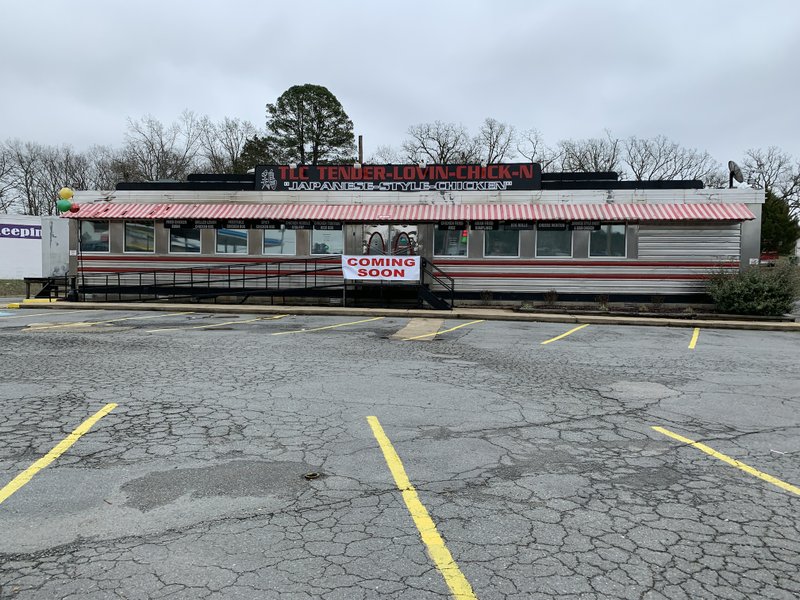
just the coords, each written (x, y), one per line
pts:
(65, 193)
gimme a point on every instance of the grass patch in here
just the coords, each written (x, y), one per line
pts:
(12, 287)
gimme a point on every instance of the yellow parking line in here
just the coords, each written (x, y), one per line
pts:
(417, 337)
(695, 335)
(731, 461)
(563, 335)
(218, 324)
(89, 323)
(328, 327)
(57, 451)
(434, 543)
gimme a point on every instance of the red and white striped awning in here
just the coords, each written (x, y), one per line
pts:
(414, 213)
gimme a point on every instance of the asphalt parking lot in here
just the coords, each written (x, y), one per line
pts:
(300, 457)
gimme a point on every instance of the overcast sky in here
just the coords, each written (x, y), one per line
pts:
(714, 75)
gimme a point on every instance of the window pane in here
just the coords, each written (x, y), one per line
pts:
(184, 240)
(327, 242)
(554, 243)
(449, 243)
(501, 243)
(280, 241)
(232, 241)
(609, 240)
(94, 236)
(139, 237)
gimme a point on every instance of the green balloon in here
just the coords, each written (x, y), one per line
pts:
(63, 205)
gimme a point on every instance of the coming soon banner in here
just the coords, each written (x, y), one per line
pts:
(392, 268)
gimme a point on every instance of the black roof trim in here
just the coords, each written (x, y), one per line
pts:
(227, 177)
(681, 184)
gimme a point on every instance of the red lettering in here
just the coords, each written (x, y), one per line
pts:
(302, 173)
(409, 262)
(505, 172)
(380, 173)
(473, 172)
(409, 172)
(374, 272)
(352, 262)
(461, 172)
(284, 172)
(440, 172)
(526, 171)
(362, 272)
(366, 173)
(491, 172)
(363, 262)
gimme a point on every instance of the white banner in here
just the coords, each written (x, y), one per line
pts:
(394, 268)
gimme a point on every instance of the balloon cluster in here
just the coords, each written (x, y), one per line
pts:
(65, 202)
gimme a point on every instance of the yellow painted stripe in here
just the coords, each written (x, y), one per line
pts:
(418, 337)
(217, 324)
(695, 335)
(57, 451)
(731, 461)
(563, 335)
(328, 327)
(90, 323)
(434, 543)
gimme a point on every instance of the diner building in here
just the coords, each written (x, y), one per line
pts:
(502, 232)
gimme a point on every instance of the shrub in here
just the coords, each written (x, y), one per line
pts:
(550, 297)
(756, 291)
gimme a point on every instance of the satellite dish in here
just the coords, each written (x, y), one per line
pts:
(736, 173)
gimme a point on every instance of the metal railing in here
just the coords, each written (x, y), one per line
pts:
(275, 277)
(440, 277)
(318, 276)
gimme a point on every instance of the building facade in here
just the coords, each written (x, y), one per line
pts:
(507, 231)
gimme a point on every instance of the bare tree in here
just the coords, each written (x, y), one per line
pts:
(385, 154)
(26, 167)
(530, 144)
(593, 154)
(774, 171)
(497, 141)
(105, 167)
(221, 143)
(156, 151)
(6, 181)
(661, 158)
(440, 143)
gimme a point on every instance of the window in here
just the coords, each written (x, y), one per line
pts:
(553, 242)
(280, 241)
(450, 243)
(140, 237)
(609, 240)
(94, 236)
(184, 241)
(231, 241)
(501, 243)
(325, 241)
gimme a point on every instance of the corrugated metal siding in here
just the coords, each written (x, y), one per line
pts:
(713, 242)
(626, 277)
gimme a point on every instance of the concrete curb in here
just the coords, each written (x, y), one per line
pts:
(487, 314)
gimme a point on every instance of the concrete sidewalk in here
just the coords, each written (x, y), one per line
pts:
(488, 314)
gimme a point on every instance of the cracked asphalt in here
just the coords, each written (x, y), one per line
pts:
(538, 464)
